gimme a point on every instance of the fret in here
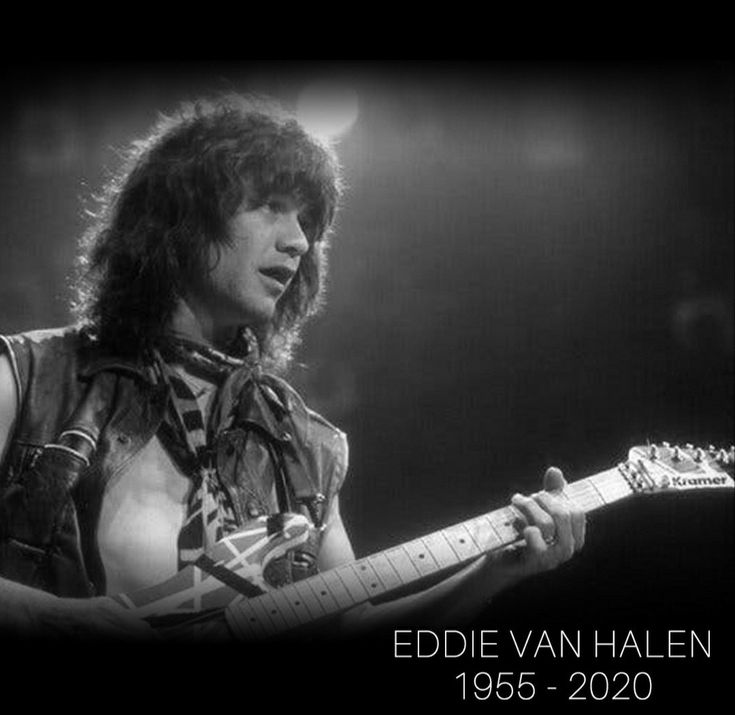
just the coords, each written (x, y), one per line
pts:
(337, 589)
(309, 599)
(402, 564)
(261, 618)
(421, 557)
(281, 597)
(460, 539)
(251, 623)
(624, 490)
(352, 583)
(504, 523)
(296, 603)
(241, 621)
(439, 548)
(593, 484)
(366, 573)
(579, 492)
(612, 487)
(388, 576)
(274, 612)
(322, 593)
(483, 533)
(585, 495)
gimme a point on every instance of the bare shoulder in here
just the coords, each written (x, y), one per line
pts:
(8, 402)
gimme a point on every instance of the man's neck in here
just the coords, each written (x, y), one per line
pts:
(188, 321)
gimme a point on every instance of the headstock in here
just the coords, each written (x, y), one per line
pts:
(659, 468)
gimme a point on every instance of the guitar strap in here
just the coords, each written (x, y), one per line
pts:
(281, 481)
(293, 489)
(293, 485)
(230, 578)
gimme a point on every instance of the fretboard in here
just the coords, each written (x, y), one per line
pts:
(379, 574)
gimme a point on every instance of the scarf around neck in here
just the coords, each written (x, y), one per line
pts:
(189, 438)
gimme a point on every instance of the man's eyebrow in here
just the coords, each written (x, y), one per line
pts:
(300, 201)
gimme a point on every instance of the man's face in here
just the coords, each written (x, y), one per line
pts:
(251, 274)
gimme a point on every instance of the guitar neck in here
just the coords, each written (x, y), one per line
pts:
(382, 573)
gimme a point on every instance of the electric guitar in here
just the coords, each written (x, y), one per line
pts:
(195, 595)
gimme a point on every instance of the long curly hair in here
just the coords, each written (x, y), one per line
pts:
(172, 199)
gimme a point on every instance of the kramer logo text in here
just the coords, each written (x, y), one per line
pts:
(680, 481)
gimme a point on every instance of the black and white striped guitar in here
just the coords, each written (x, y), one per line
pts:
(195, 595)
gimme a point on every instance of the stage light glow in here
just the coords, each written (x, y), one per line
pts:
(327, 109)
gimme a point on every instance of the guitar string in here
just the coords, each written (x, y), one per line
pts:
(576, 490)
(590, 493)
(342, 583)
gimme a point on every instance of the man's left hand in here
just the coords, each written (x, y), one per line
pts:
(553, 530)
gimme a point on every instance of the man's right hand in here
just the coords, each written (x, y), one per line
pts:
(26, 611)
(88, 618)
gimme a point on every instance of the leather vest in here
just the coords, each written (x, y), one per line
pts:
(50, 502)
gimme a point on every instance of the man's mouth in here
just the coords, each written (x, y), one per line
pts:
(280, 274)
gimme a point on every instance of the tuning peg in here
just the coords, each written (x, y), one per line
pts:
(677, 454)
(722, 456)
(711, 448)
(689, 445)
(653, 452)
(666, 444)
(698, 454)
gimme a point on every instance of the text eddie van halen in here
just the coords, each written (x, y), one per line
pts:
(602, 645)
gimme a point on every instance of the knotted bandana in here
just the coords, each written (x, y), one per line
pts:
(209, 512)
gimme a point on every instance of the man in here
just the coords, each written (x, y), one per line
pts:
(134, 441)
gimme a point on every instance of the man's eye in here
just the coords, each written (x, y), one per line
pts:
(275, 205)
(308, 226)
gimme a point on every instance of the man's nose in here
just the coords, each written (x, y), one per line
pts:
(291, 238)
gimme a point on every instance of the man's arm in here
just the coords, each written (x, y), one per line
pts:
(8, 404)
(25, 610)
(555, 531)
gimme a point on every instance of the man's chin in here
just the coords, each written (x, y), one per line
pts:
(258, 320)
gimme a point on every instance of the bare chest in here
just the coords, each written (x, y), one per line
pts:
(142, 513)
